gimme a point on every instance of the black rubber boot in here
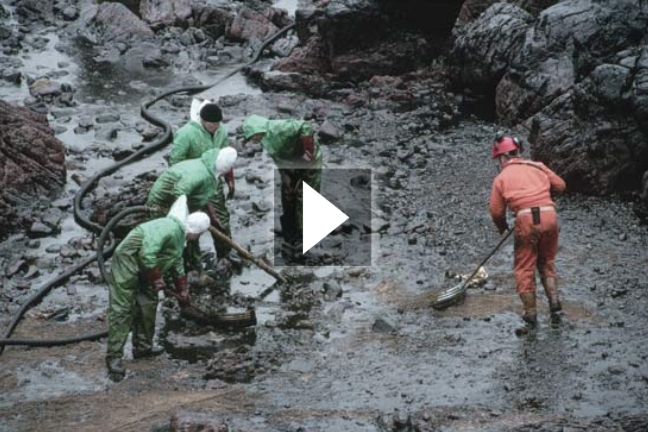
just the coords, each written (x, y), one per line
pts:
(530, 315)
(556, 319)
(555, 307)
(116, 370)
(288, 232)
(551, 289)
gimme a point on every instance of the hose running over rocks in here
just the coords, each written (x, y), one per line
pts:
(80, 218)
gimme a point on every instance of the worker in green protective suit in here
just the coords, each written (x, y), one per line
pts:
(297, 154)
(151, 251)
(205, 131)
(199, 180)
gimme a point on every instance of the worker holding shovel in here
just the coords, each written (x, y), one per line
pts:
(199, 179)
(203, 132)
(151, 251)
(525, 187)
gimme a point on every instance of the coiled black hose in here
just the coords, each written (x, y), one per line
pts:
(105, 233)
(86, 223)
(160, 141)
(101, 257)
(35, 299)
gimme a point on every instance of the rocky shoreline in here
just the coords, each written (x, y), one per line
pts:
(418, 99)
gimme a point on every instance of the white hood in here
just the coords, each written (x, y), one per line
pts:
(180, 210)
(196, 106)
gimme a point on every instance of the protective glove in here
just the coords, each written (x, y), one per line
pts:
(229, 178)
(213, 216)
(182, 288)
(308, 145)
(154, 277)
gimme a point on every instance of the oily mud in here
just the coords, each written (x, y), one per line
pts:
(339, 348)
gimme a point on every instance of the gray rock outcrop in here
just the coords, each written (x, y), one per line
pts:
(482, 53)
(575, 78)
(472, 9)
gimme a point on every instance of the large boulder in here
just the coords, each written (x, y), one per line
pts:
(162, 13)
(484, 48)
(250, 24)
(357, 39)
(32, 161)
(577, 80)
(215, 20)
(118, 38)
(111, 22)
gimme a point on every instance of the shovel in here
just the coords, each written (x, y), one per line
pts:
(452, 295)
(247, 255)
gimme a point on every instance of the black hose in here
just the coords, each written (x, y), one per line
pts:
(53, 342)
(101, 259)
(100, 256)
(42, 292)
(86, 223)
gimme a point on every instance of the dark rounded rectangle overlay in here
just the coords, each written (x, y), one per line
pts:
(350, 190)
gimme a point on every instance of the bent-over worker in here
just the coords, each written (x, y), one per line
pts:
(525, 187)
(151, 251)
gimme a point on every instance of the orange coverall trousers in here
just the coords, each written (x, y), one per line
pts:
(535, 246)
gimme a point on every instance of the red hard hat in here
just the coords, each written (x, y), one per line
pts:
(504, 145)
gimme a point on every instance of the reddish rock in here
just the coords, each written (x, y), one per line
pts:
(32, 161)
(116, 22)
(250, 24)
(162, 13)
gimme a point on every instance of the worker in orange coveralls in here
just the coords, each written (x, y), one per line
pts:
(525, 187)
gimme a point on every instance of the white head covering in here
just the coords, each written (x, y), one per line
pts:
(225, 160)
(179, 209)
(197, 223)
(196, 106)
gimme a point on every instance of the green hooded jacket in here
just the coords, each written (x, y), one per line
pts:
(194, 178)
(192, 140)
(157, 243)
(282, 139)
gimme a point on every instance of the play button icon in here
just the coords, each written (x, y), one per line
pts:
(320, 217)
(342, 238)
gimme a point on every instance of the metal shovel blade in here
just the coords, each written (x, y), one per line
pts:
(457, 293)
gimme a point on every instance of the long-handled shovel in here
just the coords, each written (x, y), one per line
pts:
(451, 296)
(247, 255)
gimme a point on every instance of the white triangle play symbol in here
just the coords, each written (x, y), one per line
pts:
(320, 217)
